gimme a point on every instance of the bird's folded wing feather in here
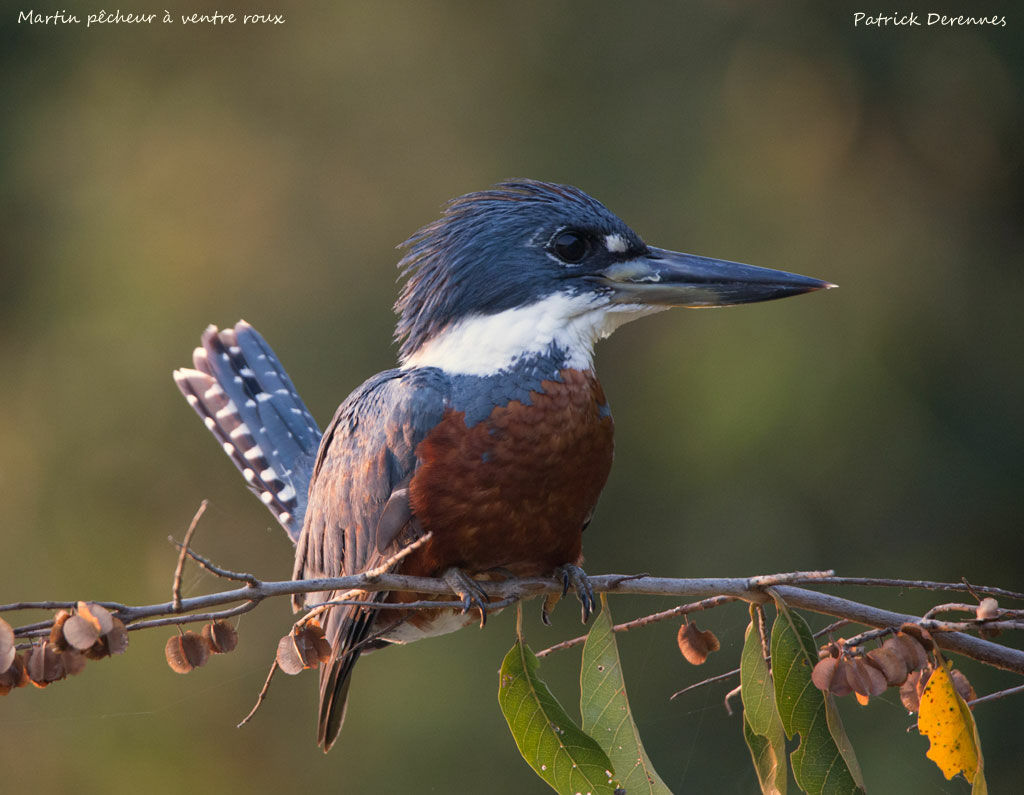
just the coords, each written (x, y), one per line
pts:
(367, 455)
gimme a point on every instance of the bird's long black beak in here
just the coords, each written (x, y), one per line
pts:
(669, 278)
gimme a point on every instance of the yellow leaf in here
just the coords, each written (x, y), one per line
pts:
(947, 722)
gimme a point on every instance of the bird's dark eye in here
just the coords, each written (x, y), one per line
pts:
(570, 246)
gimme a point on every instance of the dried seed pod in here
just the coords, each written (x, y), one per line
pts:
(890, 662)
(57, 630)
(303, 647)
(695, 645)
(116, 640)
(289, 659)
(988, 608)
(866, 680)
(74, 661)
(221, 636)
(14, 676)
(97, 615)
(313, 635)
(79, 632)
(962, 685)
(912, 651)
(186, 652)
(920, 635)
(7, 649)
(840, 685)
(911, 690)
(45, 664)
(824, 671)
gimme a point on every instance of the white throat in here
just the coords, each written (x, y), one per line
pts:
(485, 344)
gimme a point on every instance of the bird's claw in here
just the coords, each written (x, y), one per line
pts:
(473, 596)
(572, 576)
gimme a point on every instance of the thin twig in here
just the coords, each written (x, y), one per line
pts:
(371, 575)
(681, 610)
(967, 626)
(213, 568)
(404, 552)
(420, 605)
(851, 644)
(176, 585)
(709, 681)
(262, 695)
(1010, 691)
(950, 607)
(178, 620)
(729, 697)
(928, 585)
(55, 605)
(831, 627)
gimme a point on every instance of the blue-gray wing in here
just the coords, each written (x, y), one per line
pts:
(368, 454)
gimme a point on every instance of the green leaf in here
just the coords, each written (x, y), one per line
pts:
(769, 761)
(762, 725)
(824, 761)
(605, 709)
(566, 758)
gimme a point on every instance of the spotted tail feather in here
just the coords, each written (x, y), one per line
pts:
(248, 402)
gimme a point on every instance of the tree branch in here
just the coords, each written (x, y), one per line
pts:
(750, 589)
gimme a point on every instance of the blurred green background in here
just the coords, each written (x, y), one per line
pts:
(155, 180)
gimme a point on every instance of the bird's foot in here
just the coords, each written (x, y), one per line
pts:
(468, 590)
(575, 577)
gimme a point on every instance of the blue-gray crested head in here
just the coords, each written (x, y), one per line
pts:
(502, 248)
(528, 268)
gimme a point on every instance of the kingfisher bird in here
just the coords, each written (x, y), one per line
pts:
(493, 434)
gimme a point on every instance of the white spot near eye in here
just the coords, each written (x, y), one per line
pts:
(615, 244)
